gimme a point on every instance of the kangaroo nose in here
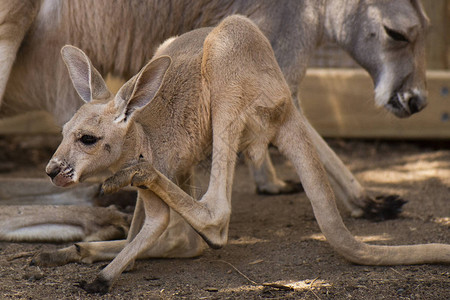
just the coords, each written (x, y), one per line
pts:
(52, 174)
(52, 170)
(415, 104)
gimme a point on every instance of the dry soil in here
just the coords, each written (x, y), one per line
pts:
(275, 249)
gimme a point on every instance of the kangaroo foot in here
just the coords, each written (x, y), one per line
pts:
(98, 286)
(384, 207)
(57, 258)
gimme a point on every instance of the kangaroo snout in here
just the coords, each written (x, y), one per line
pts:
(60, 173)
(52, 170)
(405, 104)
(416, 104)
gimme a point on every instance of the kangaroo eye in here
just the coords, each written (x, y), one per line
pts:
(395, 35)
(89, 139)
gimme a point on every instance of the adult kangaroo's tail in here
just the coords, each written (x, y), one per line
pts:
(293, 141)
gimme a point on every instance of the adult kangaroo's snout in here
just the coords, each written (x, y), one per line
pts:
(416, 104)
(405, 104)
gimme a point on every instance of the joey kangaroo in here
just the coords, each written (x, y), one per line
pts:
(385, 37)
(212, 91)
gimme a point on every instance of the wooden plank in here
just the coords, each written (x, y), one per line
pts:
(339, 103)
(438, 40)
(32, 123)
(446, 29)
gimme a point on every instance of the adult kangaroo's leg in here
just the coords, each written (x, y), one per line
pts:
(347, 188)
(16, 17)
(293, 140)
(352, 193)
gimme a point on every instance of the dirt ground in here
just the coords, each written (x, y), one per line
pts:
(275, 249)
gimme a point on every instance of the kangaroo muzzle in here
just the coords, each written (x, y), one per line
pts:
(61, 173)
(405, 104)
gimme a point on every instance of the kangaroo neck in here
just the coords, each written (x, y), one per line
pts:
(136, 147)
(337, 14)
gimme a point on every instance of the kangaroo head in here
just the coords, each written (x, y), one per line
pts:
(387, 38)
(99, 136)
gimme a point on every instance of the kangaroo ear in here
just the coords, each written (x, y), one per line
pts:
(421, 12)
(87, 81)
(142, 88)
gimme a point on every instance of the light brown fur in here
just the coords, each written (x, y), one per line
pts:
(209, 92)
(121, 36)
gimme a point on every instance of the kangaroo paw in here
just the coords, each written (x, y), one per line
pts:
(384, 207)
(98, 286)
(137, 175)
(57, 258)
(114, 183)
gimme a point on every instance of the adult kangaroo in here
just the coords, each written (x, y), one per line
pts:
(385, 37)
(212, 92)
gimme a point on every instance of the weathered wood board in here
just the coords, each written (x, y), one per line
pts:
(338, 102)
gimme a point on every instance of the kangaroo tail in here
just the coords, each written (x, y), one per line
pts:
(293, 141)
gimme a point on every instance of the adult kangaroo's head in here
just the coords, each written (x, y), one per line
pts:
(99, 137)
(387, 38)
